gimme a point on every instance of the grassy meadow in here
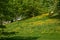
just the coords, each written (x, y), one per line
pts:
(35, 28)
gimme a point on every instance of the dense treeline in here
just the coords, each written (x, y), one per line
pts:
(12, 9)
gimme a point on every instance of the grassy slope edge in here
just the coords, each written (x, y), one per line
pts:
(42, 26)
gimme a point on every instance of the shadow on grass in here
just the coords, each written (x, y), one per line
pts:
(55, 17)
(19, 38)
(2, 26)
(8, 33)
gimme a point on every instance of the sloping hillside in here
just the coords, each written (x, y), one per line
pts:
(40, 26)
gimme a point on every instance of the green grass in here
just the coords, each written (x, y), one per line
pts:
(39, 26)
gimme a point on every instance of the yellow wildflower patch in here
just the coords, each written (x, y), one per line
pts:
(43, 15)
(37, 23)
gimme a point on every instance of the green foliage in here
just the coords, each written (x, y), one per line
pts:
(11, 9)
